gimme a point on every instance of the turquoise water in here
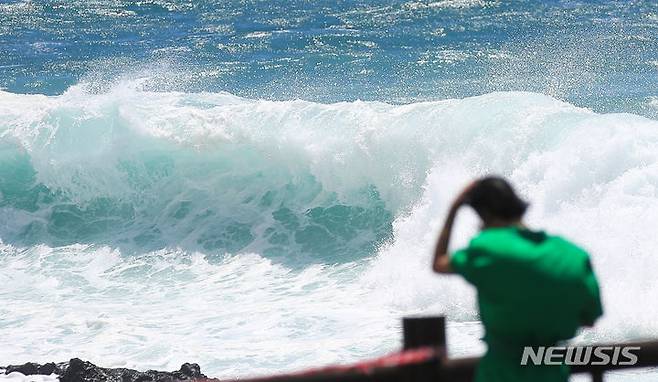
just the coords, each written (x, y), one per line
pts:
(216, 182)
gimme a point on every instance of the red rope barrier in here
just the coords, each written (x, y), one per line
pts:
(395, 360)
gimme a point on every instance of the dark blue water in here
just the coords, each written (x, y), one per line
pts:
(598, 54)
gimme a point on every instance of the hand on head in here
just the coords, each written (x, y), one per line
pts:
(463, 196)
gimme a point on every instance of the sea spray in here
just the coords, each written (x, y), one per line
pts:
(146, 229)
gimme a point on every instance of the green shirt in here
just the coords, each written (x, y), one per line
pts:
(533, 289)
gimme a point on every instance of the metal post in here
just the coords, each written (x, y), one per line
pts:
(424, 331)
(597, 376)
(419, 332)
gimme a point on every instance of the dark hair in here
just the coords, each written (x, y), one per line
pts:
(494, 197)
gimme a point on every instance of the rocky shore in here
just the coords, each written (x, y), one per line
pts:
(77, 370)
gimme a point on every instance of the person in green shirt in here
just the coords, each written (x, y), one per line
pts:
(533, 289)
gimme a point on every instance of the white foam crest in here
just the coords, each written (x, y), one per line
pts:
(79, 142)
(402, 271)
(595, 182)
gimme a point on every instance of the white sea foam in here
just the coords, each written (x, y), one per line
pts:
(18, 377)
(590, 177)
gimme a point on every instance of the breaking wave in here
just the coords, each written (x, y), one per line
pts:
(324, 214)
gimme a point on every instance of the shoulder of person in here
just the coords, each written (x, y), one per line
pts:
(568, 244)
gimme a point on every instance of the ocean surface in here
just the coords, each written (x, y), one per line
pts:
(256, 186)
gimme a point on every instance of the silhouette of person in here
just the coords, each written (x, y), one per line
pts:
(533, 288)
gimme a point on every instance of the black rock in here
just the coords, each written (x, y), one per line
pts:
(32, 368)
(29, 368)
(77, 370)
(189, 371)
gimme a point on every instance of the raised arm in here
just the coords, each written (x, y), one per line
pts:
(441, 263)
(441, 258)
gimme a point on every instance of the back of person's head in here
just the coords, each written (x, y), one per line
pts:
(492, 197)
